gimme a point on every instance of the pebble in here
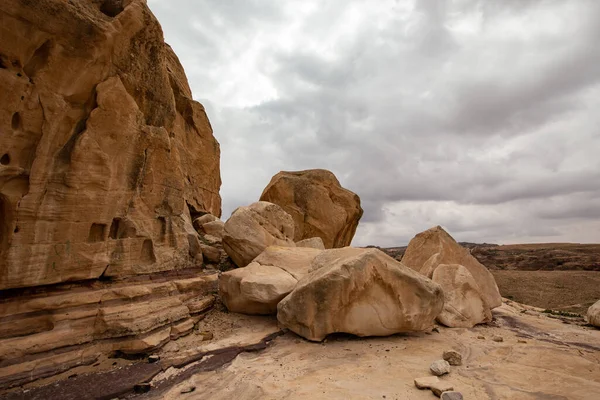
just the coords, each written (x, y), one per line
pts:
(451, 396)
(153, 358)
(498, 339)
(439, 367)
(480, 337)
(453, 357)
(188, 390)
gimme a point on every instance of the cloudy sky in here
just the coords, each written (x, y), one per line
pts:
(482, 116)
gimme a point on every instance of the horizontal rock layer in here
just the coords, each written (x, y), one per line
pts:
(51, 329)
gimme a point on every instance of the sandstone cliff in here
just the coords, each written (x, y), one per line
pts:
(104, 154)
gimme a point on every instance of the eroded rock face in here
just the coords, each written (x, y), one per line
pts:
(464, 306)
(593, 314)
(319, 205)
(359, 291)
(104, 156)
(260, 286)
(250, 230)
(433, 247)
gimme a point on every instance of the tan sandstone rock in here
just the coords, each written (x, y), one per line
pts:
(104, 153)
(214, 228)
(250, 230)
(260, 286)
(464, 306)
(319, 205)
(593, 314)
(315, 243)
(359, 291)
(433, 247)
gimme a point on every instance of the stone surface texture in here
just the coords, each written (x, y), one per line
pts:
(105, 155)
(476, 294)
(319, 205)
(250, 230)
(105, 161)
(593, 314)
(260, 286)
(359, 291)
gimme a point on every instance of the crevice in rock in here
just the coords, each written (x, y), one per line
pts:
(147, 254)
(112, 8)
(114, 228)
(39, 59)
(97, 233)
(64, 155)
(5, 159)
(138, 169)
(16, 122)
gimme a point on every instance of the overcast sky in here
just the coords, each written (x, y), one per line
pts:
(480, 116)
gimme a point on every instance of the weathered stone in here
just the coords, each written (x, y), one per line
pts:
(202, 304)
(359, 291)
(294, 260)
(181, 328)
(250, 230)
(314, 242)
(426, 382)
(215, 229)
(255, 289)
(203, 219)
(144, 344)
(210, 254)
(440, 387)
(451, 396)
(102, 145)
(464, 306)
(593, 314)
(439, 367)
(433, 247)
(318, 204)
(498, 339)
(453, 357)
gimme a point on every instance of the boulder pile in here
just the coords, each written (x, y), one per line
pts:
(316, 290)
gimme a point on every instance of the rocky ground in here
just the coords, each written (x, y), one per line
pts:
(539, 357)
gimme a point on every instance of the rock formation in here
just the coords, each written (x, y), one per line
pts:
(258, 287)
(319, 205)
(315, 243)
(432, 248)
(593, 314)
(104, 153)
(250, 230)
(105, 160)
(464, 306)
(360, 291)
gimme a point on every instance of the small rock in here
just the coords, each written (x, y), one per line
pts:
(192, 388)
(426, 382)
(481, 337)
(436, 330)
(206, 335)
(522, 341)
(153, 358)
(143, 387)
(451, 396)
(498, 339)
(441, 387)
(453, 357)
(439, 367)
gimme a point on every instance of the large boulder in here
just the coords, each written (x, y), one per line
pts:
(434, 247)
(593, 314)
(250, 230)
(464, 306)
(360, 291)
(319, 205)
(258, 288)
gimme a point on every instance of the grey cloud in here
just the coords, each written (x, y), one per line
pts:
(489, 133)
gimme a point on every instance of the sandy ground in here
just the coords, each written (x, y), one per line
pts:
(539, 358)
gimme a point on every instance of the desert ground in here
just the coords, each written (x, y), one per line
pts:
(539, 357)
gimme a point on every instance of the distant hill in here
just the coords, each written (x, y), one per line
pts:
(529, 257)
